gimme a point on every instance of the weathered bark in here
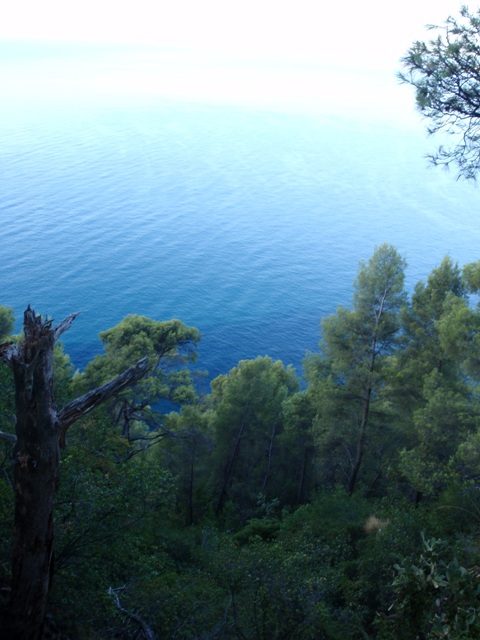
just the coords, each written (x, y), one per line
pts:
(82, 405)
(39, 431)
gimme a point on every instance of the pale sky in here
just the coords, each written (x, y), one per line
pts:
(353, 50)
(372, 32)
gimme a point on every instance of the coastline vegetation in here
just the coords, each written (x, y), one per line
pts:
(344, 507)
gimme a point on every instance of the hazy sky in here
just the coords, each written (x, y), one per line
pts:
(353, 50)
(373, 32)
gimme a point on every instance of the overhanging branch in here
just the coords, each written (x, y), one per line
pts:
(82, 405)
(64, 325)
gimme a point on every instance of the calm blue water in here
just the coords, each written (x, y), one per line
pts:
(245, 222)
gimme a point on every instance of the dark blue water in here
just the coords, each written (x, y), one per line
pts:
(245, 222)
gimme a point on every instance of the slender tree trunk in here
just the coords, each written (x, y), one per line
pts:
(231, 464)
(40, 430)
(190, 488)
(361, 442)
(365, 411)
(303, 476)
(269, 456)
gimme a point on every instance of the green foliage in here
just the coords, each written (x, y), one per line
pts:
(167, 346)
(135, 337)
(441, 424)
(444, 73)
(434, 383)
(296, 449)
(350, 552)
(7, 320)
(435, 596)
(106, 513)
(240, 524)
(258, 529)
(466, 461)
(459, 334)
(247, 421)
(7, 399)
(353, 340)
(186, 454)
(349, 386)
(62, 376)
(471, 276)
(422, 350)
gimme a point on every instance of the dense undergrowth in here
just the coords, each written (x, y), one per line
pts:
(342, 507)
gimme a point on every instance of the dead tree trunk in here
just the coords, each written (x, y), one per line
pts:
(40, 431)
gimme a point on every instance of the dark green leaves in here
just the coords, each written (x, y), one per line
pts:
(446, 76)
(6, 322)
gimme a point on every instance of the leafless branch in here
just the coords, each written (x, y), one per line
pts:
(147, 632)
(82, 405)
(64, 325)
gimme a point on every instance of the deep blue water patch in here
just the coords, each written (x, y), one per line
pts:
(248, 224)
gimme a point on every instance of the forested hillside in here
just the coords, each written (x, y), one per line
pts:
(339, 505)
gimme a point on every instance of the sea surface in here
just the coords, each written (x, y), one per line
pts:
(243, 217)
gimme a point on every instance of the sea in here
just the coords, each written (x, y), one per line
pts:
(237, 197)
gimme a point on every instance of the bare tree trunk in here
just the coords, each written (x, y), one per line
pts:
(40, 429)
(365, 412)
(361, 442)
